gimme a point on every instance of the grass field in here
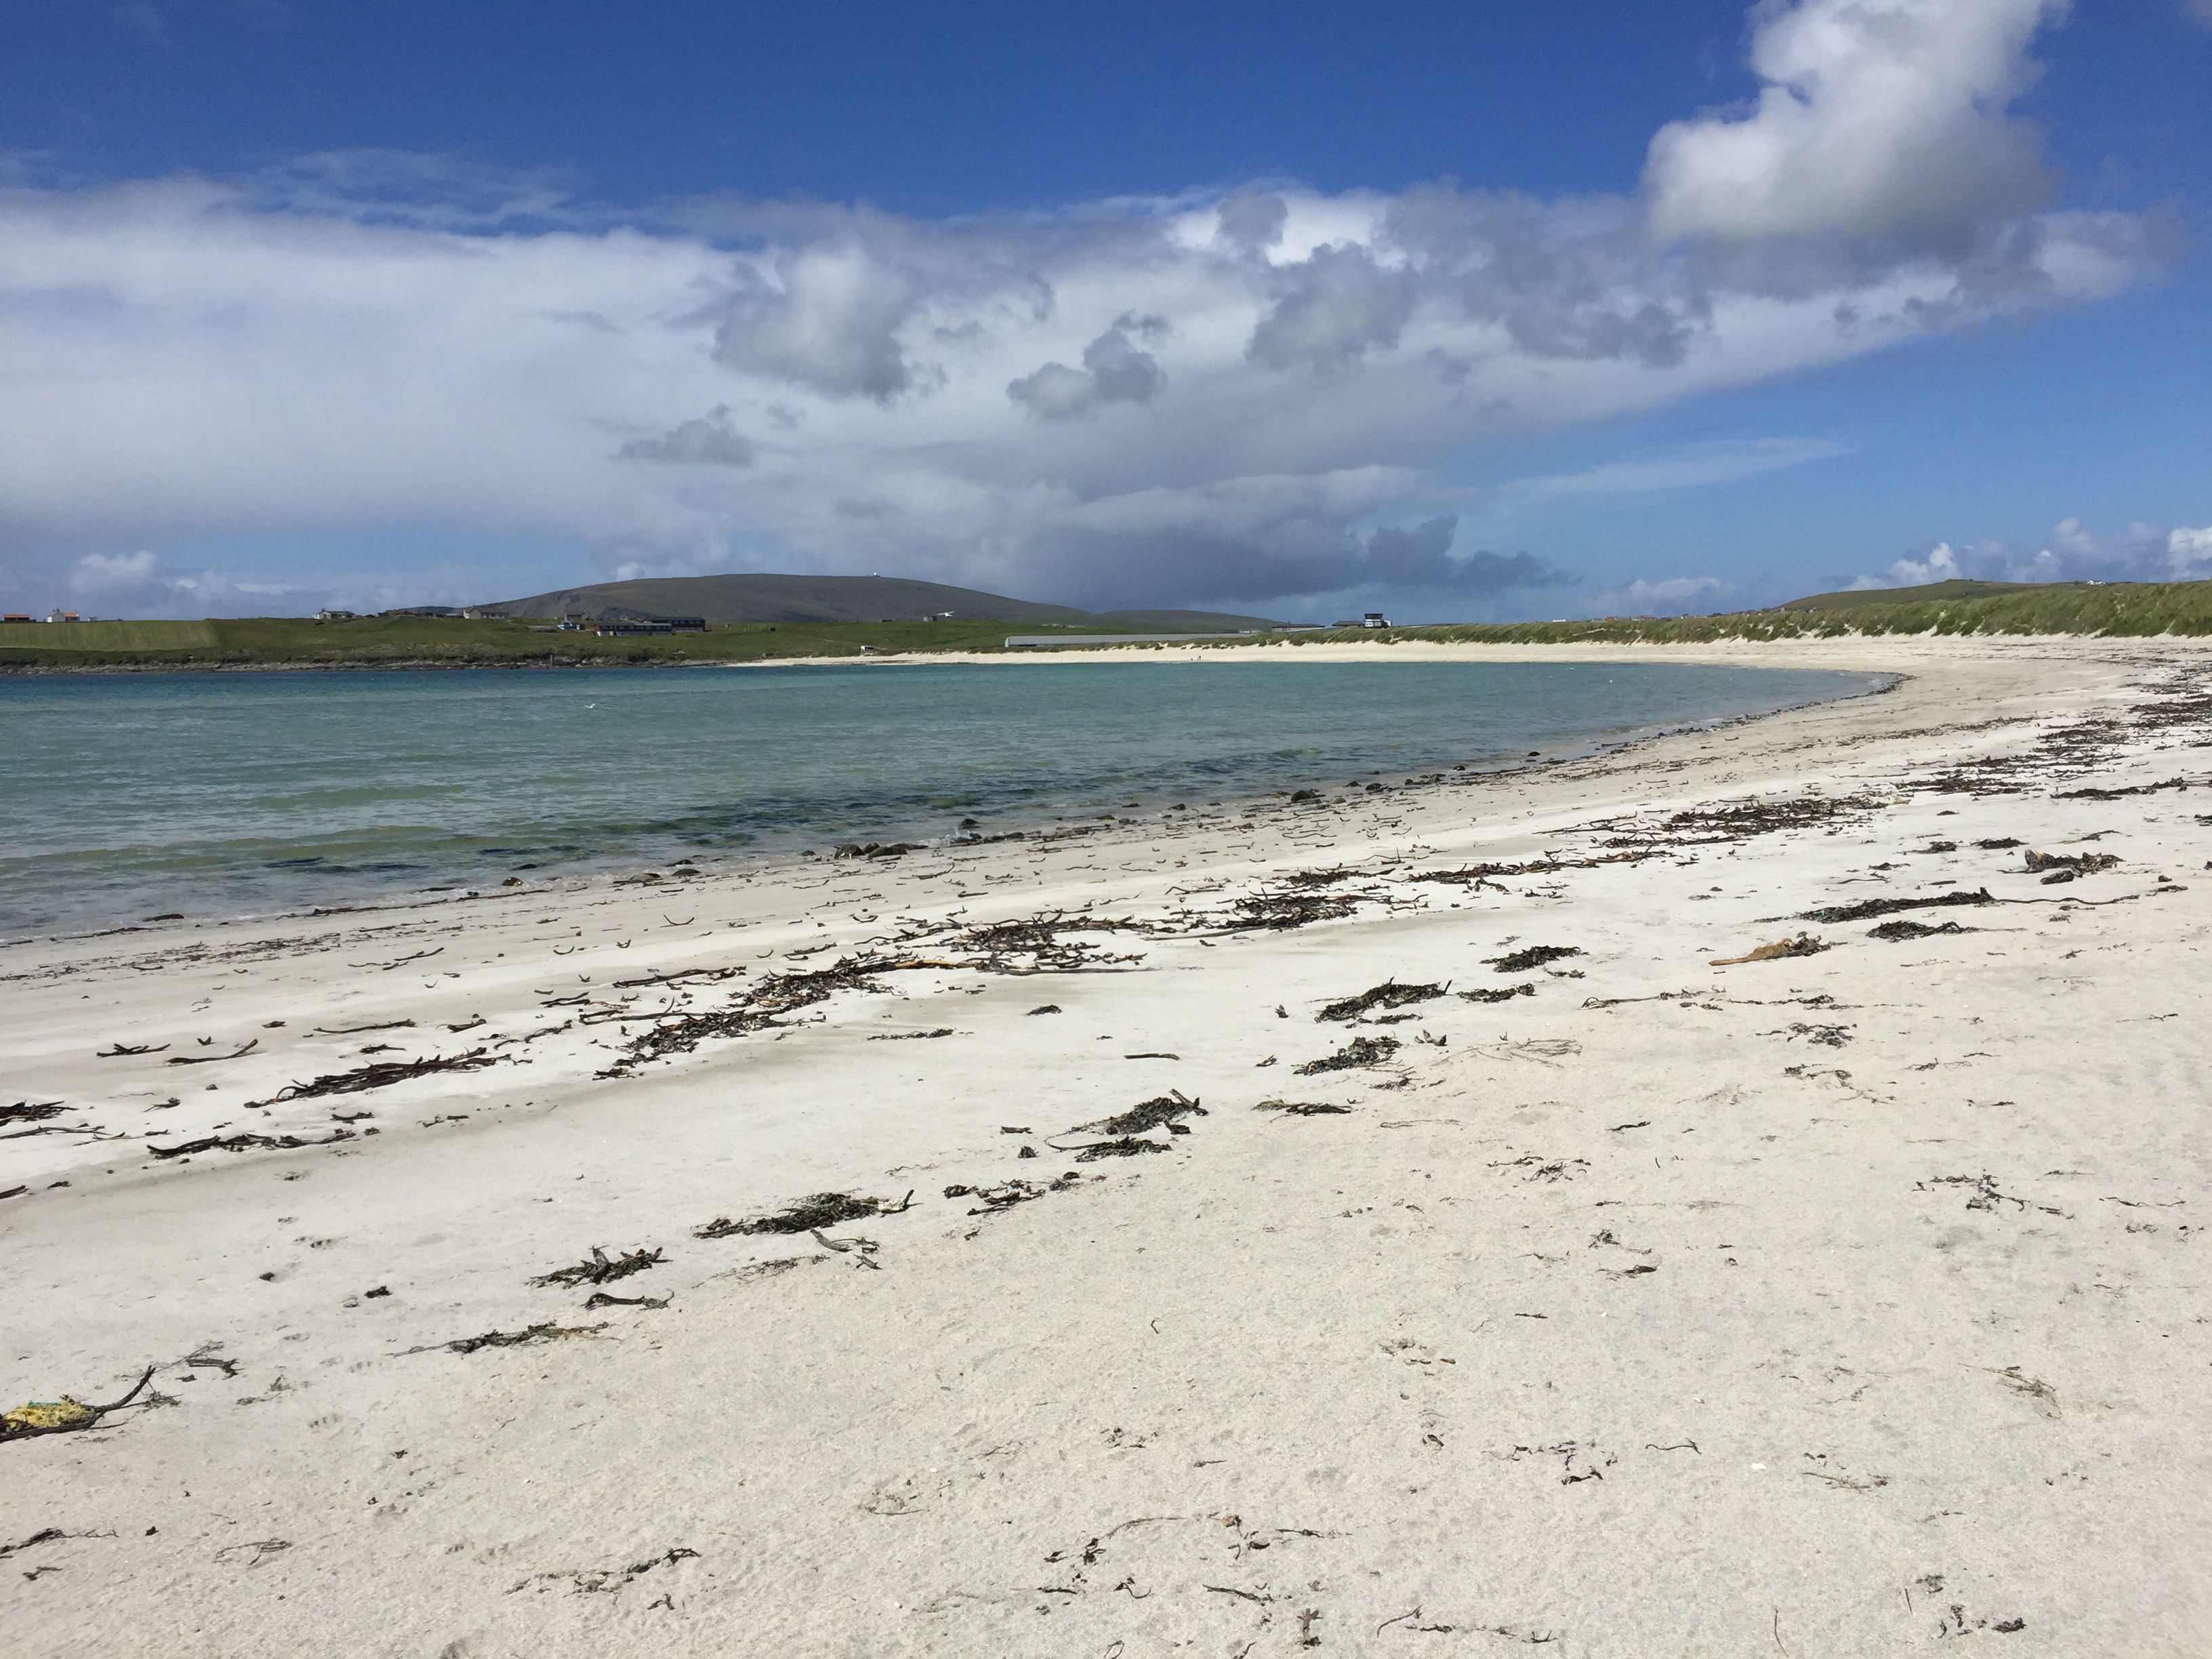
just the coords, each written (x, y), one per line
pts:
(2131, 608)
(374, 641)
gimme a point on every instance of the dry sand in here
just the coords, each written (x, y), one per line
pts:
(1834, 1304)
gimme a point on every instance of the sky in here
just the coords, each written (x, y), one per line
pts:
(1545, 308)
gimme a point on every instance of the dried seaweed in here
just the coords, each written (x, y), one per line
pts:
(1151, 1115)
(546, 1331)
(1008, 1194)
(822, 1210)
(247, 1143)
(1301, 1107)
(2114, 794)
(598, 1270)
(1125, 1146)
(247, 1048)
(1503, 993)
(1388, 994)
(1741, 821)
(1805, 945)
(2071, 863)
(1534, 957)
(1892, 932)
(1360, 1051)
(1867, 908)
(1278, 911)
(26, 1111)
(381, 1075)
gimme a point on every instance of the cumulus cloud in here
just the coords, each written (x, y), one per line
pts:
(1331, 308)
(2070, 551)
(1877, 116)
(1115, 370)
(1248, 397)
(707, 440)
(110, 573)
(825, 317)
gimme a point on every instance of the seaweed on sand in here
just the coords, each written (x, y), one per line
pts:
(598, 1270)
(1388, 994)
(1867, 908)
(1894, 931)
(381, 1075)
(1301, 1107)
(1534, 957)
(1360, 1051)
(1008, 1194)
(1502, 993)
(1148, 1115)
(822, 1210)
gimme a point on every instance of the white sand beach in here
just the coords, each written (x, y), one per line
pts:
(1847, 1303)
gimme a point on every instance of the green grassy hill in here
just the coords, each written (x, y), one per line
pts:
(2134, 609)
(411, 641)
(1856, 598)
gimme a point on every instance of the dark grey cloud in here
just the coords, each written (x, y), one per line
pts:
(1115, 370)
(708, 440)
(1332, 308)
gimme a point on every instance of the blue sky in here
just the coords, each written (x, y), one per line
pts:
(1500, 311)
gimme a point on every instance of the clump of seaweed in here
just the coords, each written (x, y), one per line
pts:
(1360, 1051)
(546, 1331)
(1279, 911)
(381, 1075)
(1123, 1147)
(598, 1270)
(822, 1210)
(1148, 1115)
(1008, 1194)
(244, 1143)
(1388, 994)
(1534, 957)
(1892, 932)
(1502, 993)
(1866, 908)
(1301, 1107)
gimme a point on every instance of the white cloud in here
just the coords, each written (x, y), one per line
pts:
(1213, 398)
(2070, 551)
(2189, 552)
(1876, 116)
(2199, 10)
(109, 573)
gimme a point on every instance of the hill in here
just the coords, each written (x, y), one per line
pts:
(772, 599)
(1959, 588)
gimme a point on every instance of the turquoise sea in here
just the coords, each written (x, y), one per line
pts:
(223, 794)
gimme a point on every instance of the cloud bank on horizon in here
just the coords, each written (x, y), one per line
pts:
(1249, 399)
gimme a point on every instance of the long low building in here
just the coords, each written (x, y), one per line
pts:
(1032, 641)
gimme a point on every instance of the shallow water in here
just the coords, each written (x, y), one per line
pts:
(227, 794)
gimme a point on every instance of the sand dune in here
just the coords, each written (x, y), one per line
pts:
(1840, 1302)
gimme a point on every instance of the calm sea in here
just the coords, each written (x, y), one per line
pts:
(129, 795)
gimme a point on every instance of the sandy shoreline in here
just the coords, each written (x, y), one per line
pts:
(1840, 1304)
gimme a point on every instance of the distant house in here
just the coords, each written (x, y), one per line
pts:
(482, 613)
(15, 616)
(1375, 619)
(326, 614)
(421, 610)
(61, 616)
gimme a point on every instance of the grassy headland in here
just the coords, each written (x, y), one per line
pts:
(450, 641)
(2111, 609)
